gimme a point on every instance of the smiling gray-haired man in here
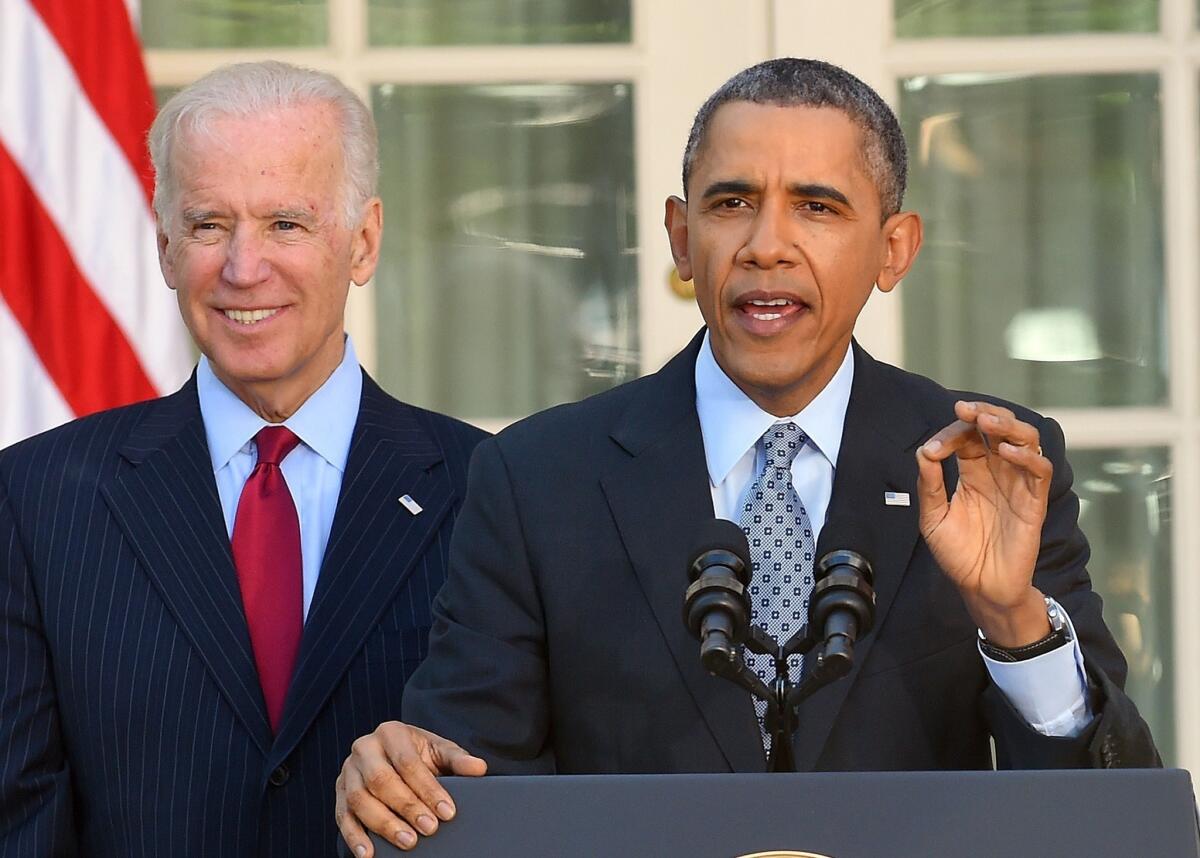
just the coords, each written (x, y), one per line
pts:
(205, 598)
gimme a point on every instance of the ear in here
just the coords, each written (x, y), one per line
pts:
(677, 233)
(364, 244)
(903, 232)
(164, 260)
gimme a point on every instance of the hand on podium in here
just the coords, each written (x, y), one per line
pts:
(389, 785)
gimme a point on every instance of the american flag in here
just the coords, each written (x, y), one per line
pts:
(86, 322)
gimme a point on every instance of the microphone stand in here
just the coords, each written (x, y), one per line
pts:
(831, 659)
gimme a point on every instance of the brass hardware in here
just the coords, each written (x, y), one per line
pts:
(684, 289)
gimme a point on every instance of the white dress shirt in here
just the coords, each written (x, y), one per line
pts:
(313, 470)
(1050, 691)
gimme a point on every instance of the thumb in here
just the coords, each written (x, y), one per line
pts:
(452, 759)
(932, 503)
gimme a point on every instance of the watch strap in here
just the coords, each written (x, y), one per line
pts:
(1059, 635)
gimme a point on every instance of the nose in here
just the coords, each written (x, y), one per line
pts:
(245, 261)
(771, 240)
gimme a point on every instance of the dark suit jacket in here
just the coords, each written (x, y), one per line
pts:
(131, 717)
(559, 644)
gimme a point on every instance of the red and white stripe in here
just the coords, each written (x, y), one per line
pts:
(86, 321)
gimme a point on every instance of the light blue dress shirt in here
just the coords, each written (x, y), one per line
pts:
(313, 470)
(1050, 691)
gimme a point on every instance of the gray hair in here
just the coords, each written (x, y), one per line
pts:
(245, 90)
(791, 82)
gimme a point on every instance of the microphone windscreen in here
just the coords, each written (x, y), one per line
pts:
(846, 533)
(722, 535)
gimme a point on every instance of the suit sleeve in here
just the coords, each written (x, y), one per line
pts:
(484, 682)
(1117, 736)
(36, 808)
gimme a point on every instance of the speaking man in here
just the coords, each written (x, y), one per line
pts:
(558, 643)
(206, 597)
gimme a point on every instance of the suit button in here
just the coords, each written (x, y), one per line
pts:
(280, 776)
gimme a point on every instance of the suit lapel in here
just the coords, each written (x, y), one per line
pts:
(879, 442)
(658, 498)
(168, 507)
(373, 546)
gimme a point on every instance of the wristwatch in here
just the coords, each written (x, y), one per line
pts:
(1060, 633)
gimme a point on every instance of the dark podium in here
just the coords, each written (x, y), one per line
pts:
(1048, 814)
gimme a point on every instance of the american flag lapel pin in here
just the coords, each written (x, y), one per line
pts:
(895, 499)
(411, 505)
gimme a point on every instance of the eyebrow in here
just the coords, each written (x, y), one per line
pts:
(741, 186)
(291, 214)
(729, 186)
(821, 192)
(198, 215)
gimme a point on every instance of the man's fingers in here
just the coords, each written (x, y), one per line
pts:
(360, 807)
(959, 437)
(352, 832)
(1028, 458)
(981, 428)
(454, 759)
(389, 765)
(998, 423)
(931, 492)
(410, 752)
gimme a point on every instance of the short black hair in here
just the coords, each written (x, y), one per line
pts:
(791, 82)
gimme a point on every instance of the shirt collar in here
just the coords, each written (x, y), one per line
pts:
(731, 423)
(325, 422)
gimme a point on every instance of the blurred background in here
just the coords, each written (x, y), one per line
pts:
(527, 147)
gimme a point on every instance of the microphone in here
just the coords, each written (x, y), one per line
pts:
(842, 606)
(716, 608)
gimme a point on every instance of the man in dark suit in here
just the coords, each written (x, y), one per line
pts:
(206, 597)
(558, 643)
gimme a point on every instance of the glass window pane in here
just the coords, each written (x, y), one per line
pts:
(488, 22)
(508, 281)
(924, 18)
(234, 23)
(1041, 278)
(1125, 510)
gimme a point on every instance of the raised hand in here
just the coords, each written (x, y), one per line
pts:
(986, 537)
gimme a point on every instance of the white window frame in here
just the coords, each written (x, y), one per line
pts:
(860, 36)
(683, 49)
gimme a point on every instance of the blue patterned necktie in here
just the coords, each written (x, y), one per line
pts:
(781, 551)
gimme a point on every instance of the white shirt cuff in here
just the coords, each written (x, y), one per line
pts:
(1050, 690)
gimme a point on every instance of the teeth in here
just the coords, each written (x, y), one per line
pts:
(767, 317)
(774, 302)
(249, 317)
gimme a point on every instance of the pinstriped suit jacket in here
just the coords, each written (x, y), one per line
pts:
(131, 718)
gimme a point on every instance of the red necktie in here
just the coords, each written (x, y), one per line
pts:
(266, 551)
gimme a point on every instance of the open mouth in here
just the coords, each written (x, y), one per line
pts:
(763, 313)
(768, 310)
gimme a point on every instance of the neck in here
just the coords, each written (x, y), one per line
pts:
(791, 400)
(277, 399)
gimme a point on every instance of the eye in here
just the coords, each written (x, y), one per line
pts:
(732, 203)
(815, 207)
(286, 225)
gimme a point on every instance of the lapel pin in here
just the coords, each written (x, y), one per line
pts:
(895, 499)
(411, 505)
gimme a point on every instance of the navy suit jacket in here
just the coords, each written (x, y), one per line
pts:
(559, 643)
(131, 717)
